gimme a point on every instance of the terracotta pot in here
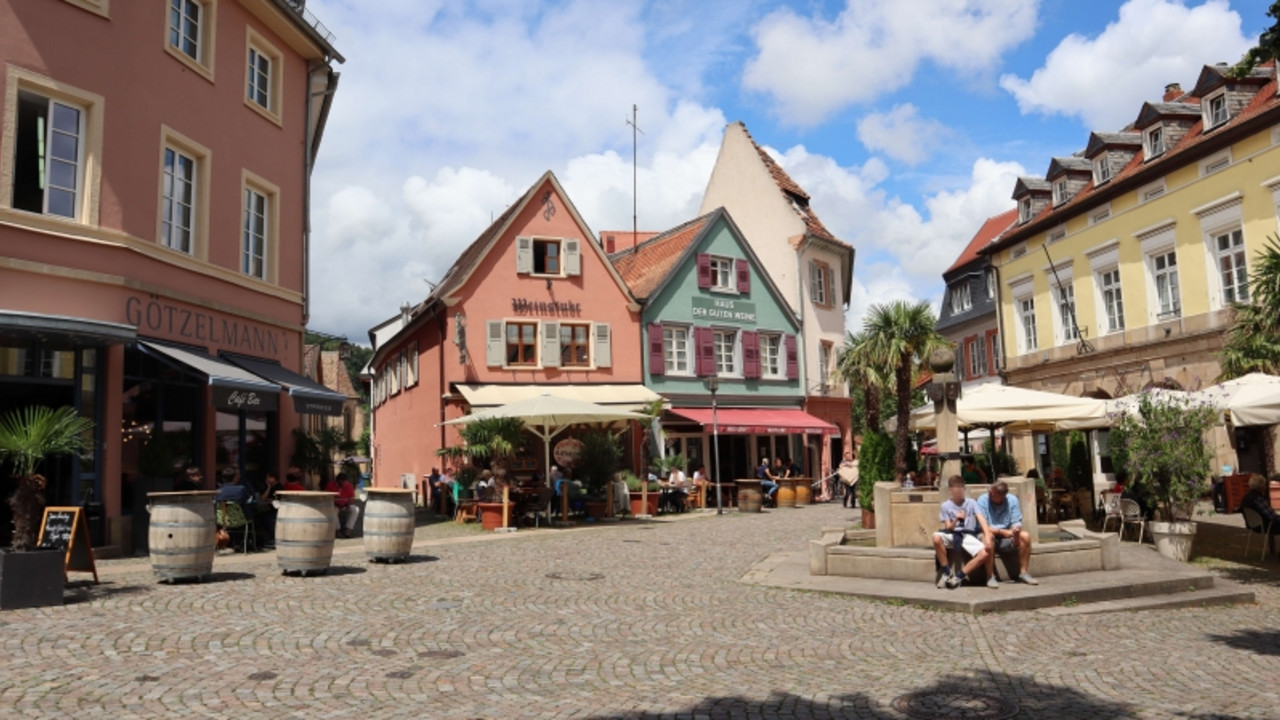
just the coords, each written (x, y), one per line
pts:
(1275, 495)
(638, 507)
(491, 514)
(868, 519)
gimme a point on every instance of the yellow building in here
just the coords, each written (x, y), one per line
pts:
(1121, 268)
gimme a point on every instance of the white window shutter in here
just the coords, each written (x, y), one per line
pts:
(603, 346)
(572, 258)
(524, 255)
(550, 344)
(495, 347)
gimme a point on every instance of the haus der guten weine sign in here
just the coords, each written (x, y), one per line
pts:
(724, 310)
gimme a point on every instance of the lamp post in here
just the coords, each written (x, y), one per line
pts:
(713, 384)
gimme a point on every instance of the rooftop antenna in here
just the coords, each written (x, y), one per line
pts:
(635, 225)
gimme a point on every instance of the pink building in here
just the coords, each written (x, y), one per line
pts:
(531, 306)
(154, 175)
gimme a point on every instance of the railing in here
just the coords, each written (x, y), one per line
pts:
(300, 7)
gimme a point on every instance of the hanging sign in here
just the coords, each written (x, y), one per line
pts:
(567, 452)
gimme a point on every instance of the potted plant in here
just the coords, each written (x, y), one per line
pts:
(1080, 473)
(490, 443)
(598, 460)
(1167, 459)
(875, 464)
(638, 490)
(30, 577)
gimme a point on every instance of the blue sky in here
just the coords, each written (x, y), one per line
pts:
(906, 120)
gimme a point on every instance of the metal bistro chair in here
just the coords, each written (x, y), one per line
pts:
(1113, 512)
(1254, 523)
(1131, 514)
(232, 518)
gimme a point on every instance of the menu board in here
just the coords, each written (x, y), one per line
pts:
(65, 529)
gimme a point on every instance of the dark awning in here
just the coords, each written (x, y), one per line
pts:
(63, 329)
(234, 388)
(308, 395)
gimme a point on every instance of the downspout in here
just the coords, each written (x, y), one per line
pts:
(444, 329)
(1004, 378)
(311, 138)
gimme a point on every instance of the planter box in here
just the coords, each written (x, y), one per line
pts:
(31, 579)
(491, 514)
(597, 509)
(638, 506)
(868, 519)
(1173, 539)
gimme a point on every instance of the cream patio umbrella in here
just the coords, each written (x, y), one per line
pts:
(549, 415)
(1252, 399)
(1001, 405)
(1122, 406)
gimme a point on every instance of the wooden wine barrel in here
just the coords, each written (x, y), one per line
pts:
(749, 496)
(182, 534)
(388, 524)
(804, 492)
(786, 493)
(305, 527)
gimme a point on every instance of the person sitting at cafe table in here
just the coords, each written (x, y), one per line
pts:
(1258, 499)
(233, 490)
(768, 481)
(348, 511)
(677, 490)
(191, 480)
(293, 481)
(972, 474)
(266, 520)
(1005, 535)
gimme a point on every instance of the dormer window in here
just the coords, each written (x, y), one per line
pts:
(1060, 193)
(1155, 142)
(1101, 170)
(1024, 209)
(1215, 110)
(961, 301)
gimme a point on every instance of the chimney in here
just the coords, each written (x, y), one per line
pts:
(404, 313)
(610, 242)
(1172, 92)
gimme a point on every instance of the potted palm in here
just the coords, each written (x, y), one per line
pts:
(1167, 459)
(29, 576)
(490, 443)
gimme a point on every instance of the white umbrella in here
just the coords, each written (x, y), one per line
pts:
(548, 415)
(993, 405)
(1122, 406)
(1252, 399)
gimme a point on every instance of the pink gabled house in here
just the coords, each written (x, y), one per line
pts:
(533, 305)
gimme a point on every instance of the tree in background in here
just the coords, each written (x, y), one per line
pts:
(875, 464)
(900, 334)
(868, 380)
(1268, 47)
(1253, 340)
(317, 452)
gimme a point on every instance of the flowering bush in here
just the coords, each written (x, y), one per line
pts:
(1165, 451)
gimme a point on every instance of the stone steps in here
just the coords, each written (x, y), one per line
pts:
(1205, 597)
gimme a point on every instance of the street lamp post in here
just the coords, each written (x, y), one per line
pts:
(713, 384)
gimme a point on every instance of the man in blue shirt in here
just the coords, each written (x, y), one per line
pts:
(1005, 534)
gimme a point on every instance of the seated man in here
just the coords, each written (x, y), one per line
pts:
(1005, 535)
(1258, 499)
(961, 525)
(768, 486)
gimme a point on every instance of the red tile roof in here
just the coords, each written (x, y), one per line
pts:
(990, 230)
(794, 194)
(1264, 100)
(644, 267)
(622, 239)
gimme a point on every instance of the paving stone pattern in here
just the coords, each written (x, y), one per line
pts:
(629, 620)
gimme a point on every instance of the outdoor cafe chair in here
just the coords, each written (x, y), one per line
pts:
(1254, 523)
(1131, 514)
(231, 517)
(1113, 512)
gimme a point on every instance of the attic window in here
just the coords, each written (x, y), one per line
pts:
(1057, 234)
(1100, 214)
(1155, 142)
(546, 257)
(961, 300)
(1024, 209)
(1214, 163)
(1060, 193)
(1018, 251)
(1101, 170)
(1215, 110)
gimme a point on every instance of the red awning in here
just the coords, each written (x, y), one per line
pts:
(760, 421)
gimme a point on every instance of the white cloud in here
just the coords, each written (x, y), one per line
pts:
(1104, 80)
(875, 283)
(813, 67)
(901, 134)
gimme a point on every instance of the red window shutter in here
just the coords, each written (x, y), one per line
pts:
(750, 354)
(793, 358)
(657, 358)
(744, 276)
(706, 351)
(704, 271)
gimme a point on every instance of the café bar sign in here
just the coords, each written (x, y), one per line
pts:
(724, 310)
(234, 398)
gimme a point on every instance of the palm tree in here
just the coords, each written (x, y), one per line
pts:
(902, 334)
(868, 375)
(1253, 340)
(494, 440)
(27, 436)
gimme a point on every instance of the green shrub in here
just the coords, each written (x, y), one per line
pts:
(598, 459)
(875, 464)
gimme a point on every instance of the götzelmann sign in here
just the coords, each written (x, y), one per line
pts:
(724, 310)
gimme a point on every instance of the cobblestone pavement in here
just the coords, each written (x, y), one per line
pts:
(629, 620)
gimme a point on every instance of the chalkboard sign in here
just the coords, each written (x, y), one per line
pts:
(65, 528)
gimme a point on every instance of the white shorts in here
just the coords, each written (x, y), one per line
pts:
(972, 544)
